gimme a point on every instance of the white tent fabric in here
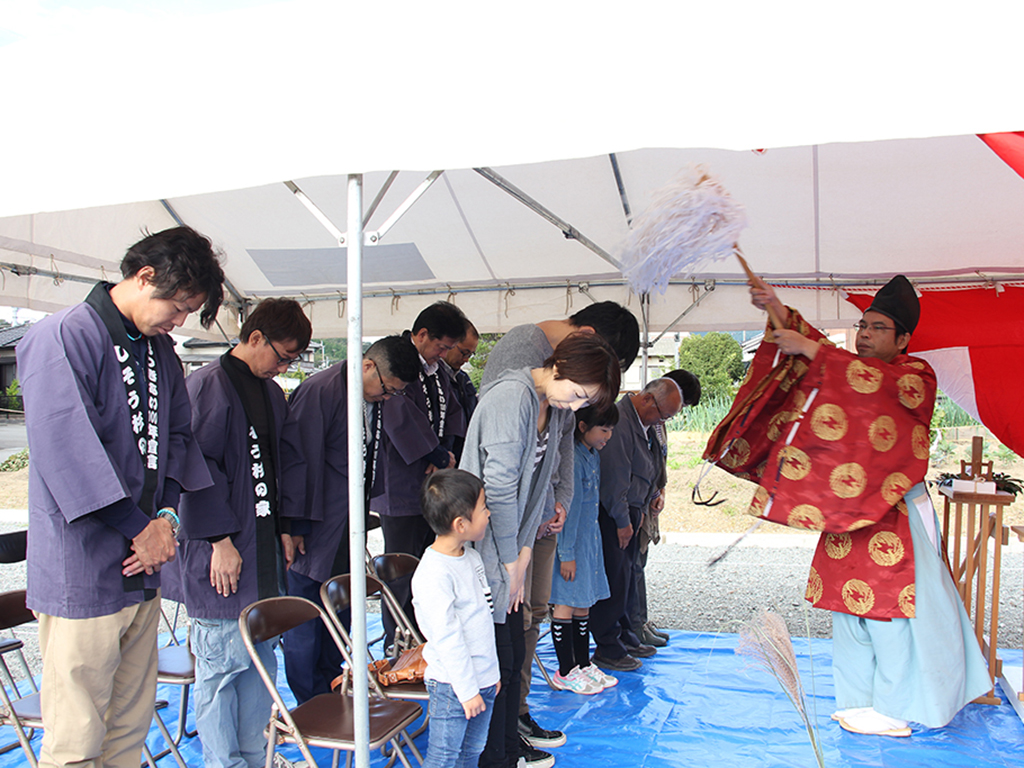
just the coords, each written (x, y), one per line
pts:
(836, 215)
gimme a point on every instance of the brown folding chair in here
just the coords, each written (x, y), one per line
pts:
(325, 720)
(336, 595)
(176, 666)
(23, 713)
(391, 567)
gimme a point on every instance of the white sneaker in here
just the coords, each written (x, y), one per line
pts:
(577, 682)
(600, 677)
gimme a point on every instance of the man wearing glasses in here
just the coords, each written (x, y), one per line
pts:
(631, 465)
(234, 540)
(316, 472)
(418, 436)
(462, 386)
(841, 446)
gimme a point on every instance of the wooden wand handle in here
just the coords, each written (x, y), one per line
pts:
(757, 282)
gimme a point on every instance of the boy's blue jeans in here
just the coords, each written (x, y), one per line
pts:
(454, 740)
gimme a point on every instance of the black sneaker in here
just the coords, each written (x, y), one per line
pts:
(531, 757)
(536, 736)
(641, 651)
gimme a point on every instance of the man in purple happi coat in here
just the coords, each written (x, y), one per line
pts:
(234, 542)
(111, 449)
(419, 431)
(316, 472)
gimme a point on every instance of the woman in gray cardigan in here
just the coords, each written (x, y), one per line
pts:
(507, 447)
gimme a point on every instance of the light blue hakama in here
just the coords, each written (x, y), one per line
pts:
(923, 669)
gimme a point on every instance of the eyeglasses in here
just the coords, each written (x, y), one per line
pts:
(387, 391)
(874, 327)
(281, 359)
(466, 353)
(661, 416)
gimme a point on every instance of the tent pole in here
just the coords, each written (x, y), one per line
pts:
(645, 312)
(356, 497)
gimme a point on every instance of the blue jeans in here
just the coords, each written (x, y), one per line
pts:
(231, 702)
(454, 740)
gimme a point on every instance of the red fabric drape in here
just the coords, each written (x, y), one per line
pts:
(1009, 146)
(990, 326)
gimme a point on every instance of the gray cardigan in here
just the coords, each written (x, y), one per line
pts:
(500, 447)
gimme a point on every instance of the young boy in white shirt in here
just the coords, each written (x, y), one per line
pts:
(454, 611)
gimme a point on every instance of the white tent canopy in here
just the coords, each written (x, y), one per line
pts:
(836, 215)
(124, 108)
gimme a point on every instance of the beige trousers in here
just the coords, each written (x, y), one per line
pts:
(99, 687)
(535, 607)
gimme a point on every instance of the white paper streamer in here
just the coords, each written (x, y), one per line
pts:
(689, 222)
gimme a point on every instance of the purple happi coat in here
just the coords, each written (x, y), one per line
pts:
(84, 457)
(314, 453)
(227, 508)
(408, 438)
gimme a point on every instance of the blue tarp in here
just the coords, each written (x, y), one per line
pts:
(697, 703)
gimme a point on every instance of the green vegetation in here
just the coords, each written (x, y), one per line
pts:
(714, 358)
(15, 462)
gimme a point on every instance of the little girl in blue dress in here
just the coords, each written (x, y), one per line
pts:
(578, 579)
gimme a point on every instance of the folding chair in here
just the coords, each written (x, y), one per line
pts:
(325, 720)
(13, 547)
(23, 713)
(177, 666)
(336, 595)
(390, 568)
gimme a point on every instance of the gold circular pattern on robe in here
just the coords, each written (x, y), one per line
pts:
(883, 433)
(886, 548)
(848, 481)
(760, 500)
(918, 364)
(795, 464)
(778, 421)
(856, 525)
(863, 378)
(815, 587)
(895, 487)
(829, 422)
(858, 597)
(911, 387)
(901, 507)
(738, 453)
(919, 442)
(838, 545)
(906, 601)
(806, 516)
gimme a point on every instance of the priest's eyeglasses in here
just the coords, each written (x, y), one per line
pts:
(281, 359)
(873, 327)
(387, 390)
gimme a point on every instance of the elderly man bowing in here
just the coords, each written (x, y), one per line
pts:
(631, 465)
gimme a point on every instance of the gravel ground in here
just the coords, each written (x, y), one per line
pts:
(765, 571)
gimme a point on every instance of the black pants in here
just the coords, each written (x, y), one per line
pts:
(412, 536)
(502, 748)
(609, 621)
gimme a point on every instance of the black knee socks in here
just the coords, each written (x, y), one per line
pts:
(581, 640)
(562, 636)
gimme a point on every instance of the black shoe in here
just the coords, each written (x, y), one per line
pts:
(536, 736)
(641, 651)
(648, 637)
(655, 630)
(531, 757)
(625, 663)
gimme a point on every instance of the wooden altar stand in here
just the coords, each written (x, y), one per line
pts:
(1012, 678)
(969, 520)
